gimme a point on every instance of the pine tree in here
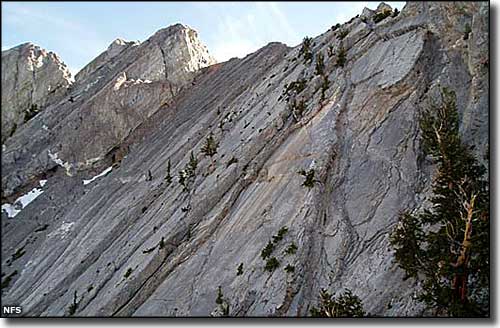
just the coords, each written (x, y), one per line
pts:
(447, 246)
(210, 146)
(347, 305)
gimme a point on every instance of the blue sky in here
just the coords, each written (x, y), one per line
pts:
(79, 31)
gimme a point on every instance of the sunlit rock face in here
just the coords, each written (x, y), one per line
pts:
(112, 227)
(32, 78)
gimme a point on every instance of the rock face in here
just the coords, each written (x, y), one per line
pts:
(32, 78)
(132, 242)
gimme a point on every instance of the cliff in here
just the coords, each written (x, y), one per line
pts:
(128, 237)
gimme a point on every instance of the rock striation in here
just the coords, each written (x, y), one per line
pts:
(164, 221)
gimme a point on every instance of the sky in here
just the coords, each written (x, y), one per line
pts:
(79, 31)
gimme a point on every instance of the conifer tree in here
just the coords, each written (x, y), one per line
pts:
(210, 146)
(347, 305)
(447, 246)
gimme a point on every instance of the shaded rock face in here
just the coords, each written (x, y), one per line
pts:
(134, 243)
(32, 78)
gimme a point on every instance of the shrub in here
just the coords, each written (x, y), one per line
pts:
(162, 243)
(31, 112)
(395, 13)
(467, 31)
(291, 249)
(451, 259)
(281, 234)
(381, 15)
(289, 268)
(128, 273)
(73, 306)
(309, 178)
(295, 87)
(325, 84)
(341, 57)
(221, 302)
(346, 305)
(266, 252)
(272, 264)
(341, 34)
(188, 173)
(8, 279)
(320, 64)
(335, 27)
(239, 270)
(168, 177)
(305, 50)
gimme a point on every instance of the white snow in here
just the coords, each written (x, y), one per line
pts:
(103, 173)
(13, 209)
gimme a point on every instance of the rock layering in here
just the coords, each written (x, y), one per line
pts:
(130, 243)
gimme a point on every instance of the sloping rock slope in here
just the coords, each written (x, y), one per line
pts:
(133, 243)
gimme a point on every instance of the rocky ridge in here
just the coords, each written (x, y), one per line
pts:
(132, 242)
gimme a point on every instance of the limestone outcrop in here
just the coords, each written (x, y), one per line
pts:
(191, 168)
(32, 78)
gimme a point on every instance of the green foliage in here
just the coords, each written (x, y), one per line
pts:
(297, 108)
(168, 177)
(294, 87)
(381, 15)
(281, 234)
(19, 252)
(309, 178)
(320, 64)
(395, 12)
(346, 305)
(31, 112)
(272, 264)
(73, 306)
(188, 174)
(221, 302)
(210, 146)
(232, 161)
(467, 31)
(289, 268)
(447, 246)
(305, 50)
(239, 270)
(128, 273)
(291, 249)
(341, 57)
(162, 243)
(8, 279)
(267, 251)
(341, 34)
(335, 27)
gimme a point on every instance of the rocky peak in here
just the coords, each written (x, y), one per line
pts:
(32, 78)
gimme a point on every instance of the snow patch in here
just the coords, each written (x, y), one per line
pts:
(13, 209)
(103, 173)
